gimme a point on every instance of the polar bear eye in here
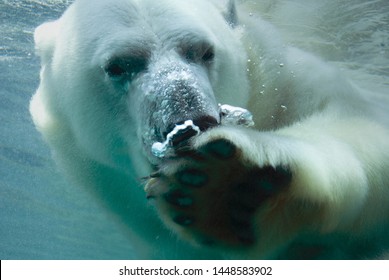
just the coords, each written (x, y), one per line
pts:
(201, 52)
(115, 70)
(121, 68)
(208, 55)
(190, 55)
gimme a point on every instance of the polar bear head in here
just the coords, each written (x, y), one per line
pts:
(117, 75)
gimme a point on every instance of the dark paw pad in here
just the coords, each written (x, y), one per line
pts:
(268, 180)
(178, 198)
(183, 220)
(192, 177)
(220, 148)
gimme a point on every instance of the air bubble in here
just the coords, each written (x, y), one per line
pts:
(231, 115)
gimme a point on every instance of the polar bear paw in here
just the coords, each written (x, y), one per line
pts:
(211, 195)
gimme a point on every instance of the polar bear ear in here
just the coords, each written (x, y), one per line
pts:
(45, 36)
(231, 15)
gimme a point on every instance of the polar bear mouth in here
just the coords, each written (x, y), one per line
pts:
(181, 133)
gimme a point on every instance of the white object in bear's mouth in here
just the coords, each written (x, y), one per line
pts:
(229, 115)
(159, 149)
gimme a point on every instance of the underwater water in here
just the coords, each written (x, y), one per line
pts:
(42, 216)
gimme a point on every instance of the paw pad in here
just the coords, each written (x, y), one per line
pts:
(177, 198)
(192, 177)
(214, 196)
(221, 148)
(183, 220)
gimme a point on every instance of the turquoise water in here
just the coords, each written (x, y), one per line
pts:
(41, 215)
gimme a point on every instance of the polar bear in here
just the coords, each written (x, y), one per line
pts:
(308, 180)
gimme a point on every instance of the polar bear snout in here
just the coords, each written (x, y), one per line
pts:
(177, 92)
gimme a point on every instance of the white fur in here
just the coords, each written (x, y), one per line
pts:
(308, 116)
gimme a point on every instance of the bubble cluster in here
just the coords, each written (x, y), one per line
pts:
(231, 115)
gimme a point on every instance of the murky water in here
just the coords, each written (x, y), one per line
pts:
(41, 215)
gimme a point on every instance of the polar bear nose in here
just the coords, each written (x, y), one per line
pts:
(203, 122)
